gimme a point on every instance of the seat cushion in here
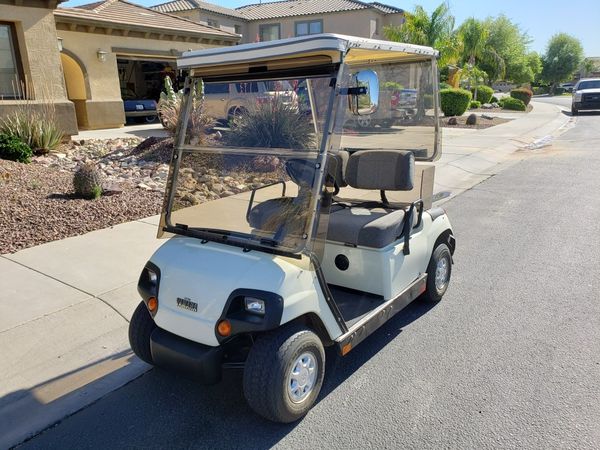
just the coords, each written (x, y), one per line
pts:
(373, 227)
(266, 215)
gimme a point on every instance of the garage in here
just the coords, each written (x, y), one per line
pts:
(141, 82)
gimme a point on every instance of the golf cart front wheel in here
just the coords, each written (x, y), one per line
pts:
(141, 327)
(284, 373)
(438, 273)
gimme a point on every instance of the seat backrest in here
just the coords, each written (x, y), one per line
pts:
(338, 170)
(386, 170)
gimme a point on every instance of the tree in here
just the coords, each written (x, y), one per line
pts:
(507, 56)
(588, 66)
(563, 57)
(474, 36)
(435, 31)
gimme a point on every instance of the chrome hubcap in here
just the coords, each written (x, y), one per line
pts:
(303, 375)
(441, 274)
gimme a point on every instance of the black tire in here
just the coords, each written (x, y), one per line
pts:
(269, 366)
(150, 119)
(235, 112)
(141, 327)
(574, 111)
(434, 293)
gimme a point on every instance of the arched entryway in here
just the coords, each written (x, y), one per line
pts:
(77, 86)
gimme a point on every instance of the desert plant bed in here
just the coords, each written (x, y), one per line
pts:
(461, 122)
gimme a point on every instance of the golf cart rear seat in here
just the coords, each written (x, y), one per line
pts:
(374, 224)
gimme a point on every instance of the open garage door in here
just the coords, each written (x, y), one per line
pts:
(141, 83)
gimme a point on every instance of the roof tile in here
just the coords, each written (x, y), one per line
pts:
(125, 13)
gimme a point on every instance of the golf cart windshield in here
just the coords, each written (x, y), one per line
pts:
(405, 116)
(244, 171)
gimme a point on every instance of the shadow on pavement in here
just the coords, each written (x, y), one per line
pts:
(26, 412)
(163, 410)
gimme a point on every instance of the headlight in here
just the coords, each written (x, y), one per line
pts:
(152, 276)
(254, 305)
(577, 96)
(149, 281)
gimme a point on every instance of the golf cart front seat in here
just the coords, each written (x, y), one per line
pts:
(264, 215)
(374, 224)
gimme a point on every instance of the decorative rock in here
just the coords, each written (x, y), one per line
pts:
(144, 187)
(472, 119)
(487, 106)
(452, 121)
(487, 117)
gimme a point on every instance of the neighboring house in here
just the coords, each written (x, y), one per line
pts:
(30, 65)
(82, 59)
(283, 19)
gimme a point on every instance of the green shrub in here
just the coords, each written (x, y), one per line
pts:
(87, 181)
(272, 124)
(445, 86)
(13, 149)
(494, 99)
(513, 103)
(475, 104)
(540, 90)
(484, 94)
(40, 133)
(522, 94)
(455, 101)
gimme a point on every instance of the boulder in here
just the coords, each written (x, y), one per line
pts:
(472, 119)
(452, 121)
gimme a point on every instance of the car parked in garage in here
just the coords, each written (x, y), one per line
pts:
(138, 108)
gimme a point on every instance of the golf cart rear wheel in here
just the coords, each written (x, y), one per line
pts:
(284, 373)
(438, 273)
(141, 327)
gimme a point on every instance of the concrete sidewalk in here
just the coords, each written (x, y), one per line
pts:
(65, 305)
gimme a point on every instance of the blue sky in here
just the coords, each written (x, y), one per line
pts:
(541, 19)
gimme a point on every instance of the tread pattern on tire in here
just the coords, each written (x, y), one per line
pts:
(431, 294)
(141, 327)
(264, 367)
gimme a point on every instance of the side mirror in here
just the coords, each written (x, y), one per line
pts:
(363, 96)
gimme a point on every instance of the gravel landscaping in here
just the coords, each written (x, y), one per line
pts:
(38, 204)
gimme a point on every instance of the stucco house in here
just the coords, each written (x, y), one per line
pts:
(83, 59)
(282, 19)
(30, 63)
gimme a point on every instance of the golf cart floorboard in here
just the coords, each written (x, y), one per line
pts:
(354, 304)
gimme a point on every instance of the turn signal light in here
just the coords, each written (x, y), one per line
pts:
(152, 304)
(224, 328)
(346, 348)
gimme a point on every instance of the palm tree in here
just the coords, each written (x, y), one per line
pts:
(474, 37)
(435, 31)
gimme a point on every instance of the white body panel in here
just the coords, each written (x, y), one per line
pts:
(386, 271)
(208, 273)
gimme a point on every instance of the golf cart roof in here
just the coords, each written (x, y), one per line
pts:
(313, 50)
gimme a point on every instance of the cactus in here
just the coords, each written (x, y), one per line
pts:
(87, 181)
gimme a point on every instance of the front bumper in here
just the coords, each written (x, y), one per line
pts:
(586, 105)
(199, 362)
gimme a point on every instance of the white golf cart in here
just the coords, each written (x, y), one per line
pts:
(291, 232)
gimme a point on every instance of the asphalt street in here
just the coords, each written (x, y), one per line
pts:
(509, 359)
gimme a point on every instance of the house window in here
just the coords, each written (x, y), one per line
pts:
(309, 27)
(270, 32)
(10, 65)
(238, 29)
(212, 23)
